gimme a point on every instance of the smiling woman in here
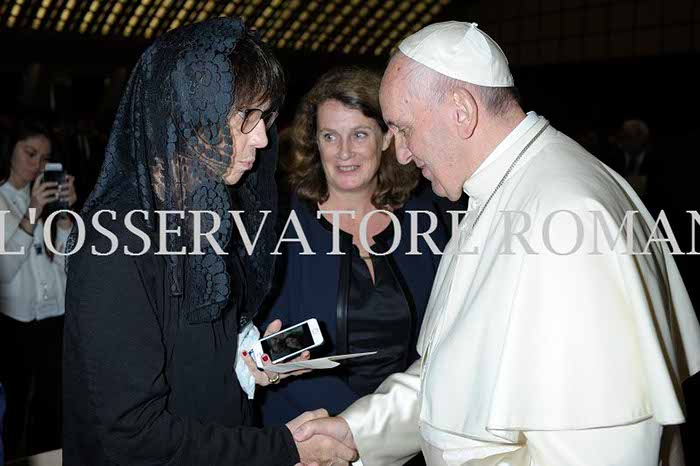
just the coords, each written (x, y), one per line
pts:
(341, 93)
(373, 295)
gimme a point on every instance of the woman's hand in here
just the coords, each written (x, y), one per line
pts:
(67, 194)
(265, 378)
(67, 191)
(42, 194)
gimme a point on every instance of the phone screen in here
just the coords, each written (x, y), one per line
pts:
(54, 172)
(286, 343)
(57, 176)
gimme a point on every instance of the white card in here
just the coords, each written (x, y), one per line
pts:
(320, 363)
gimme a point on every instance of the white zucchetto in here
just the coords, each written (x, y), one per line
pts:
(460, 51)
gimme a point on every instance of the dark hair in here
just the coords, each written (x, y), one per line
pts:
(356, 88)
(258, 75)
(23, 130)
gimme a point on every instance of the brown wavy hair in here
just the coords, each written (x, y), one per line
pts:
(356, 88)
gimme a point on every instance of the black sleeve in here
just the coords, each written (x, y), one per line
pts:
(114, 342)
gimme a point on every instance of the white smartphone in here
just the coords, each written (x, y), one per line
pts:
(288, 343)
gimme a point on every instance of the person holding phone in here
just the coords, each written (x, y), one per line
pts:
(342, 159)
(32, 288)
(151, 338)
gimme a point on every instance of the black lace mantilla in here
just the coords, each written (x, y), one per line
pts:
(169, 147)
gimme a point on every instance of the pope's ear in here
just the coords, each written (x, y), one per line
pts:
(466, 112)
(386, 140)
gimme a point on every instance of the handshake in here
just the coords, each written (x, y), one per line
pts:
(322, 440)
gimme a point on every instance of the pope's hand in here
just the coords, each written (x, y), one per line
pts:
(325, 433)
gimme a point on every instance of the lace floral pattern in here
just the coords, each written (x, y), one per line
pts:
(169, 147)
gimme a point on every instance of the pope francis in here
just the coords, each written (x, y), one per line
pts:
(546, 341)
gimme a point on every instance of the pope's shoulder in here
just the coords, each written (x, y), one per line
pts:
(562, 175)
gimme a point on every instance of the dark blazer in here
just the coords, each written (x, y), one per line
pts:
(317, 285)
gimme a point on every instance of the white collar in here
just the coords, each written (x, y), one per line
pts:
(527, 123)
(14, 192)
(482, 183)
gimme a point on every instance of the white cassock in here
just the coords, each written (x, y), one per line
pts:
(546, 359)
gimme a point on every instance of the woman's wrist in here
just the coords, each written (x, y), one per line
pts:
(64, 222)
(26, 225)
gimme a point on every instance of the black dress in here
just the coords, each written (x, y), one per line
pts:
(379, 318)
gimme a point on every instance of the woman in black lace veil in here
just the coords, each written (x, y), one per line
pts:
(151, 338)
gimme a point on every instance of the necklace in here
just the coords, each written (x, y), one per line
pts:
(469, 234)
(503, 180)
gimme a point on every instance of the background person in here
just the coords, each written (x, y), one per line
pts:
(32, 289)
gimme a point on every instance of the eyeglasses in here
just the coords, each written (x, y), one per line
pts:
(252, 116)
